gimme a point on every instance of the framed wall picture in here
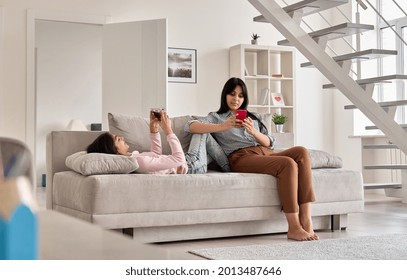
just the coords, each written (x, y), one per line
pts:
(277, 99)
(181, 65)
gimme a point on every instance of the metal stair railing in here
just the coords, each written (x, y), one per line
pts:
(361, 96)
(361, 3)
(398, 6)
(260, 19)
(387, 23)
(330, 25)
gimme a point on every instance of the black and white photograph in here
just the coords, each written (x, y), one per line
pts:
(181, 65)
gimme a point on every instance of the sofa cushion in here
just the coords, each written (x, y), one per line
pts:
(321, 159)
(136, 131)
(266, 119)
(95, 163)
(152, 193)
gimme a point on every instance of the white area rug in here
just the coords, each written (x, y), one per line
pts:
(382, 247)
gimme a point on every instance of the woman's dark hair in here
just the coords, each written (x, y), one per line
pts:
(228, 88)
(104, 143)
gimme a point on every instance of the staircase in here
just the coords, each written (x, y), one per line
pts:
(385, 166)
(337, 69)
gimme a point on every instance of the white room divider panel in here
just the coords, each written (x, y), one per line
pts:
(134, 67)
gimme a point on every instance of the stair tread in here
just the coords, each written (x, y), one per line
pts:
(382, 104)
(386, 166)
(337, 31)
(357, 56)
(289, 28)
(374, 80)
(369, 127)
(372, 186)
(380, 146)
(308, 7)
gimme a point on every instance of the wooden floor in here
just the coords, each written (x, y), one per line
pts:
(381, 215)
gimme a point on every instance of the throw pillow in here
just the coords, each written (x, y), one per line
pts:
(266, 119)
(321, 159)
(136, 132)
(95, 163)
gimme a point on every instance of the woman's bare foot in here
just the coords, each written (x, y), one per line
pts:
(296, 230)
(306, 221)
(299, 234)
(307, 226)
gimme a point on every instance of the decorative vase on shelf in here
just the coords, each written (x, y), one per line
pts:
(279, 120)
(254, 38)
(279, 128)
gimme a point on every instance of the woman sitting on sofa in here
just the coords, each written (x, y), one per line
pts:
(194, 161)
(249, 149)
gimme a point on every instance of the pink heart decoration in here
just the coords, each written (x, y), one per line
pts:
(277, 98)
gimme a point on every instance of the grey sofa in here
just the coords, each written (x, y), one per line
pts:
(157, 208)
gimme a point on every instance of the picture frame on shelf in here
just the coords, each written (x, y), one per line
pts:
(182, 65)
(263, 96)
(277, 99)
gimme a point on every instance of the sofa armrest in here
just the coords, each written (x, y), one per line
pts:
(61, 144)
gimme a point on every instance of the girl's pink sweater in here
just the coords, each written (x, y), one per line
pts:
(154, 162)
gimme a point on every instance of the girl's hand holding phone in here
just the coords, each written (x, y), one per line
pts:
(154, 122)
(156, 113)
(165, 123)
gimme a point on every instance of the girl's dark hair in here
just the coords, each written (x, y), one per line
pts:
(228, 88)
(104, 143)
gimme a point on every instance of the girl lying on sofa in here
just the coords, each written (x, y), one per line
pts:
(193, 162)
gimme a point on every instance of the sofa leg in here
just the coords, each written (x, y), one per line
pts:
(128, 232)
(339, 222)
(335, 222)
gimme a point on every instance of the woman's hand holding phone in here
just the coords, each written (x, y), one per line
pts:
(245, 121)
(241, 114)
(249, 126)
(236, 120)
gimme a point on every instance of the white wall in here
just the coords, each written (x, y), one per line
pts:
(210, 26)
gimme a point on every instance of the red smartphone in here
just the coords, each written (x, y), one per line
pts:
(241, 114)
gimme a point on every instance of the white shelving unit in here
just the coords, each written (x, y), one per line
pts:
(272, 68)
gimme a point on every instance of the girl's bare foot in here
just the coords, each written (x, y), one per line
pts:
(299, 234)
